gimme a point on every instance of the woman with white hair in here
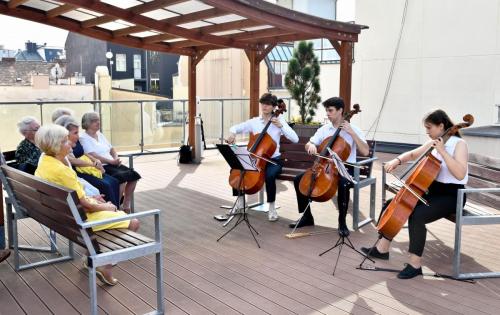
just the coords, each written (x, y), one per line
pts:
(27, 153)
(96, 144)
(61, 111)
(53, 141)
(86, 166)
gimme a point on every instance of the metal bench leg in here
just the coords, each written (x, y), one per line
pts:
(8, 209)
(92, 289)
(355, 208)
(15, 242)
(373, 193)
(458, 236)
(159, 284)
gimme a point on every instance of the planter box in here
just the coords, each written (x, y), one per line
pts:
(305, 130)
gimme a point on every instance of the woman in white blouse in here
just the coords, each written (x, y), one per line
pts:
(96, 144)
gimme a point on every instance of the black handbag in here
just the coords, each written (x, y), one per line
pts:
(185, 154)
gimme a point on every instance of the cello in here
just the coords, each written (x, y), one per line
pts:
(425, 170)
(261, 146)
(320, 182)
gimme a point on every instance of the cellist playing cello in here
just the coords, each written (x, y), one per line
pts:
(278, 127)
(442, 192)
(334, 107)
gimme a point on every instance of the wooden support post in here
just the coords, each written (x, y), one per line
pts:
(346, 73)
(192, 62)
(254, 82)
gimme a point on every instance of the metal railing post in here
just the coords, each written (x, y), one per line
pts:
(222, 121)
(498, 109)
(41, 113)
(183, 122)
(289, 108)
(142, 126)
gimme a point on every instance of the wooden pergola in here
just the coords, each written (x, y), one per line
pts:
(193, 28)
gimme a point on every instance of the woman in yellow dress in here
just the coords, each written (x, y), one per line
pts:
(54, 143)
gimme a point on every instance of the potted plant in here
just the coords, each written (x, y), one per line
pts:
(302, 81)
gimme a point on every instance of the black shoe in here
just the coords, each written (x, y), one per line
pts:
(304, 221)
(409, 272)
(375, 253)
(343, 230)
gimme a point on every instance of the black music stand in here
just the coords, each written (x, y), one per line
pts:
(244, 163)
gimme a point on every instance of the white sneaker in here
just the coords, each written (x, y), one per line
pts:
(272, 215)
(238, 207)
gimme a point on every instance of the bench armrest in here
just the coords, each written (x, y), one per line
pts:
(463, 191)
(86, 225)
(370, 160)
(478, 190)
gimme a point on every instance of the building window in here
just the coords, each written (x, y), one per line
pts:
(277, 64)
(121, 62)
(325, 51)
(137, 67)
(154, 80)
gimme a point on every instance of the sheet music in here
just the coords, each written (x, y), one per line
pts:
(246, 160)
(339, 164)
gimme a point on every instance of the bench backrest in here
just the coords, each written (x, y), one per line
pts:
(47, 203)
(10, 158)
(293, 155)
(484, 172)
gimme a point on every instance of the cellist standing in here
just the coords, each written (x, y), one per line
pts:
(278, 127)
(334, 107)
(442, 193)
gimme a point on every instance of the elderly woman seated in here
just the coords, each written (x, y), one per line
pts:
(27, 153)
(53, 141)
(88, 167)
(96, 144)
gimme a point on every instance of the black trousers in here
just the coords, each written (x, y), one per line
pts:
(272, 171)
(442, 200)
(343, 195)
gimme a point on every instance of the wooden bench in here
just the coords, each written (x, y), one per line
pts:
(58, 208)
(296, 160)
(483, 203)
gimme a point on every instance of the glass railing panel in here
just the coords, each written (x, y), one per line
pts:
(235, 111)
(163, 124)
(211, 111)
(77, 108)
(10, 115)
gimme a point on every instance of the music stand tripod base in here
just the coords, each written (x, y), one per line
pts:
(341, 241)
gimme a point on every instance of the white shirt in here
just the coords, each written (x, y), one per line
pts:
(256, 125)
(328, 130)
(445, 175)
(101, 146)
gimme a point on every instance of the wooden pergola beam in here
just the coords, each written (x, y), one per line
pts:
(336, 45)
(132, 17)
(142, 8)
(196, 16)
(186, 18)
(15, 3)
(254, 35)
(60, 10)
(74, 26)
(267, 13)
(207, 30)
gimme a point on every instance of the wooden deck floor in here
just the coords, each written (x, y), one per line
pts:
(233, 276)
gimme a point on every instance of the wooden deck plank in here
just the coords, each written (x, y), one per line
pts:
(7, 301)
(18, 288)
